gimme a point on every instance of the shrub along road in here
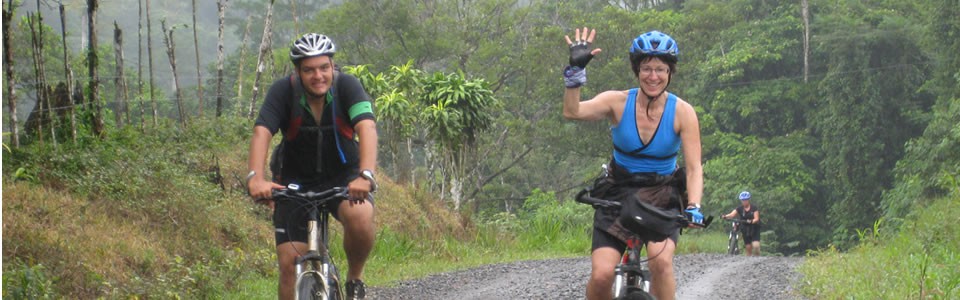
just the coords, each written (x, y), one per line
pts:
(699, 276)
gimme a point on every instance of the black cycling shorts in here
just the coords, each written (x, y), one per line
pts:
(602, 238)
(290, 220)
(750, 234)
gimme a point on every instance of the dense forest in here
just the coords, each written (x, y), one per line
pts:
(835, 114)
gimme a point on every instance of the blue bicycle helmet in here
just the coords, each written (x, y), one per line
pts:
(655, 43)
(745, 195)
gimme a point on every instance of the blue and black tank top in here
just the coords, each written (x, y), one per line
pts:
(659, 154)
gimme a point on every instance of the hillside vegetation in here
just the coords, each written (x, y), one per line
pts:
(918, 261)
(157, 213)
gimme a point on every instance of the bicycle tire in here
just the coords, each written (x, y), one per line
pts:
(311, 287)
(733, 245)
(637, 294)
(333, 281)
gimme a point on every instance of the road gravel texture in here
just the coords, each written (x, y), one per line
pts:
(699, 276)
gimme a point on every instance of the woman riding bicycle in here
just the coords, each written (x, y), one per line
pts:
(645, 156)
(750, 223)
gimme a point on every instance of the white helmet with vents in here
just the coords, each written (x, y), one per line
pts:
(310, 45)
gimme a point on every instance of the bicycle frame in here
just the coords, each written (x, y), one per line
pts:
(632, 271)
(317, 254)
(316, 261)
(733, 244)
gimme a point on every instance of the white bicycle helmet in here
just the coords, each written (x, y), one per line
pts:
(310, 45)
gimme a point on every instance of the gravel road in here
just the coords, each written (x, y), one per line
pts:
(699, 276)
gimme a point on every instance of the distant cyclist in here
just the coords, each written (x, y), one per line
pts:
(749, 214)
(329, 140)
(649, 127)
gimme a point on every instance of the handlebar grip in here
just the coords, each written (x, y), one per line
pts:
(584, 197)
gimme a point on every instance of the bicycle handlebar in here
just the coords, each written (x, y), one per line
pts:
(293, 192)
(738, 221)
(584, 197)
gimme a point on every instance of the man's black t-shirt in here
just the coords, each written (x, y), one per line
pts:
(312, 152)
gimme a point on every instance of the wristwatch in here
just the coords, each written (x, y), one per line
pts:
(368, 175)
(696, 205)
(250, 176)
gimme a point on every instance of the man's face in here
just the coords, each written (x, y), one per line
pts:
(316, 73)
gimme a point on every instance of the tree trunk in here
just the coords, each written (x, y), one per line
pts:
(296, 20)
(169, 42)
(140, 61)
(261, 58)
(93, 60)
(806, 39)
(243, 62)
(123, 112)
(43, 105)
(69, 74)
(51, 113)
(221, 13)
(153, 99)
(8, 11)
(196, 50)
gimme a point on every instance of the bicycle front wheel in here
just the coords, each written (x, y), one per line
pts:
(732, 246)
(311, 287)
(640, 294)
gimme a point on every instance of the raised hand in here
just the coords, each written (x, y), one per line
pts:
(580, 52)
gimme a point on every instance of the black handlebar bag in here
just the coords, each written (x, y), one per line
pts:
(651, 204)
(648, 222)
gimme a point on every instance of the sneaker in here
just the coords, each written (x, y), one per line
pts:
(355, 289)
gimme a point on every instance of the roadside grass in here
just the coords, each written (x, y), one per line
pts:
(918, 261)
(133, 215)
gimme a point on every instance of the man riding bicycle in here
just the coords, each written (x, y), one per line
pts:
(329, 139)
(649, 127)
(749, 215)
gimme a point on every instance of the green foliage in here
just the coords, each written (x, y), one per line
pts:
(170, 184)
(931, 163)
(545, 222)
(857, 163)
(918, 261)
(22, 281)
(778, 175)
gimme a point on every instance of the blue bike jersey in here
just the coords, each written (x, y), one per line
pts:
(659, 154)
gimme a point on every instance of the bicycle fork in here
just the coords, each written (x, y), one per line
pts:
(317, 257)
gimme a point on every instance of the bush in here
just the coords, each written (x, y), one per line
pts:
(917, 262)
(27, 282)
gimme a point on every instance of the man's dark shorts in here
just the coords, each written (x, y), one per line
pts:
(290, 219)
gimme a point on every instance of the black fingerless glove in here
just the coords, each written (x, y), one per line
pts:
(580, 54)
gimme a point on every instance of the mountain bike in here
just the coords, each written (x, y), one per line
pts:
(317, 275)
(632, 275)
(733, 243)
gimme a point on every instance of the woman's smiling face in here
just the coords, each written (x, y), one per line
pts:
(654, 76)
